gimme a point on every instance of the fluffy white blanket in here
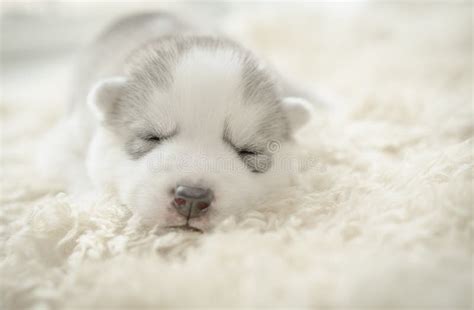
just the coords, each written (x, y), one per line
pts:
(381, 218)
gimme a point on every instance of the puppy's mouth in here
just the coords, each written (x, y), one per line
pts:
(185, 226)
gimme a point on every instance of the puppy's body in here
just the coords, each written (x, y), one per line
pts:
(167, 109)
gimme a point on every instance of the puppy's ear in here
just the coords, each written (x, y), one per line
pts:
(298, 111)
(103, 97)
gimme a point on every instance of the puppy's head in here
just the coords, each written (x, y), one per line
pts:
(194, 131)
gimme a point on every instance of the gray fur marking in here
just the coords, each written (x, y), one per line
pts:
(151, 66)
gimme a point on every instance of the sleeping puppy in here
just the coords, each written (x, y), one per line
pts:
(184, 129)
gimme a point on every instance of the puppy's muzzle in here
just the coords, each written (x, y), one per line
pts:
(192, 201)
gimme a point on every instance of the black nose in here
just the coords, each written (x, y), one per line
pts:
(192, 201)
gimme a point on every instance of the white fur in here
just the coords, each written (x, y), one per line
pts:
(103, 95)
(299, 111)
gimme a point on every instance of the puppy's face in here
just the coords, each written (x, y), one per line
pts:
(209, 142)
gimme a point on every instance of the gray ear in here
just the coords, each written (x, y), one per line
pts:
(103, 96)
(298, 112)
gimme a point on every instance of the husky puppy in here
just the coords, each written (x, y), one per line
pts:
(185, 129)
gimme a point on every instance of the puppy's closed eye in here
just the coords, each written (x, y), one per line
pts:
(256, 161)
(152, 138)
(245, 152)
(140, 145)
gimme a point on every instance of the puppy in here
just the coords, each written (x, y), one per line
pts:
(185, 129)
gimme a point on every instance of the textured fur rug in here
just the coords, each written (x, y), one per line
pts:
(381, 218)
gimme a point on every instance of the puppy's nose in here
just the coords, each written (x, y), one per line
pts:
(192, 201)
